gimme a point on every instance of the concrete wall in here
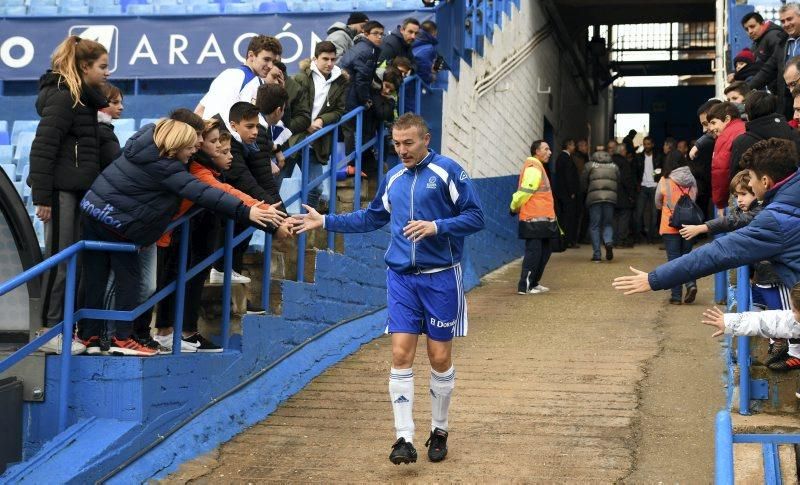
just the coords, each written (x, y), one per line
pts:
(491, 134)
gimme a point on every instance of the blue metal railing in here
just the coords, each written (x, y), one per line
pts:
(184, 274)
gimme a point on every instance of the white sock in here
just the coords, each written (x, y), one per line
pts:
(442, 384)
(794, 350)
(401, 392)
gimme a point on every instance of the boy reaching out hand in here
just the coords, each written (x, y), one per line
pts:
(770, 323)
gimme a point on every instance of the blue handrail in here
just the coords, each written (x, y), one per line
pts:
(70, 255)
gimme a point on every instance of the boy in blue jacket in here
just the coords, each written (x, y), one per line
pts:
(431, 205)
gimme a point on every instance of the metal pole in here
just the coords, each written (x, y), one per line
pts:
(401, 99)
(334, 169)
(180, 289)
(227, 278)
(723, 452)
(301, 240)
(381, 152)
(66, 342)
(267, 271)
(743, 343)
(359, 142)
(418, 95)
(719, 55)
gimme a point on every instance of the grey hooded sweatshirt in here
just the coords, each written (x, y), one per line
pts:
(342, 37)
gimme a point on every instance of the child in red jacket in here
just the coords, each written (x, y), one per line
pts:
(724, 121)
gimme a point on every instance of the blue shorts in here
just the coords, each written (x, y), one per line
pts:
(771, 297)
(429, 303)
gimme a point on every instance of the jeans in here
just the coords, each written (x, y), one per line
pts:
(147, 288)
(676, 247)
(96, 268)
(537, 253)
(646, 217)
(601, 219)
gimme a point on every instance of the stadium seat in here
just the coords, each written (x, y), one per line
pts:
(171, 9)
(235, 8)
(106, 10)
(140, 9)
(22, 155)
(14, 11)
(19, 186)
(205, 8)
(5, 138)
(6, 153)
(13, 3)
(73, 10)
(102, 3)
(3, 125)
(273, 7)
(23, 174)
(10, 169)
(147, 121)
(123, 136)
(126, 124)
(21, 126)
(43, 10)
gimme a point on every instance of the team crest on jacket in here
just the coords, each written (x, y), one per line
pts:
(431, 182)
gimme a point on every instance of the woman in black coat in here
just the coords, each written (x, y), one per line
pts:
(65, 152)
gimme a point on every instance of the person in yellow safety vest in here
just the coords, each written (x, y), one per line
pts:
(533, 201)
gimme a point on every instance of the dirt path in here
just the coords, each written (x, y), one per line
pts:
(576, 385)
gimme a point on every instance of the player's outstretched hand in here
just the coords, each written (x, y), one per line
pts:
(637, 283)
(715, 318)
(306, 222)
(415, 231)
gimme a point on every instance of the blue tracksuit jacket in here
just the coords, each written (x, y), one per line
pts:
(437, 190)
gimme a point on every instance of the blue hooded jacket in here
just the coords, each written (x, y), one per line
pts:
(360, 63)
(437, 190)
(139, 193)
(774, 235)
(424, 49)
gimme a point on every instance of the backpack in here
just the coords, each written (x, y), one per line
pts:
(686, 212)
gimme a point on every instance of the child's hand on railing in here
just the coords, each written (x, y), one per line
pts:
(284, 230)
(270, 215)
(306, 222)
(691, 232)
(715, 318)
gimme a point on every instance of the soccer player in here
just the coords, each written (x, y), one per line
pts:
(431, 205)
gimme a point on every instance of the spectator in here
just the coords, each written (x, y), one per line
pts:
(724, 122)
(601, 183)
(133, 200)
(611, 146)
(567, 188)
(272, 135)
(533, 201)
(109, 143)
(398, 43)
(683, 149)
(241, 83)
(296, 114)
(767, 38)
(677, 181)
(773, 324)
(773, 69)
(424, 50)
(581, 158)
(65, 155)
(736, 92)
(745, 65)
(795, 121)
(700, 159)
(628, 142)
(671, 154)
(764, 124)
(325, 85)
(343, 35)
(648, 166)
(626, 196)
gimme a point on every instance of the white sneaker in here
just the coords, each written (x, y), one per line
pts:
(542, 289)
(218, 277)
(53, 346)
(166, 342)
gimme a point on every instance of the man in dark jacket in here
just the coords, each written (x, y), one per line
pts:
(399, 42)
(766, 37)
(342, 35)
(774, 234)
(600, 180)
(626, 196)
(424, 50)
(774, 67)
(360, 63)
(567, 187)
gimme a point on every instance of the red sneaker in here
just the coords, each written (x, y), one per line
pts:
(130, 347)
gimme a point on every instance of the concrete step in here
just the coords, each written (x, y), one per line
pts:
(748, 458)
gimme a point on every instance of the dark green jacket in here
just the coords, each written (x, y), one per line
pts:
(332, 110)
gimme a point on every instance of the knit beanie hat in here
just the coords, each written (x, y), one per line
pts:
(357, 18)
(745, 55)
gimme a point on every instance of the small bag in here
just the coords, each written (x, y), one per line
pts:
(558, 243)
(686, 212)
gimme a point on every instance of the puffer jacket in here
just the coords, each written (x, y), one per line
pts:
(600, 180)
(394, 45)
(109, 143)
(331, 111)
(342, 37)
(360, 63)
(721, 162)
(770, 126)
(65, 154)
(424, 50)
(774, 235)
(297, 115)
(139, 193)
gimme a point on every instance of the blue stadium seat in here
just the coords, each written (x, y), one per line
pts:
(140, 9)
(237, 8)
(43, 10)
(123, 136)
(19, 186)
(273, 6)
(147, 121)
(171, 9)
(102, 3)
(10, 169)
(6, 153)
(106, 10)
(126, 124)
(21, 126)
(5, 138)
(13, 3)
(3, 125)
(22, 156)
(205, 8)
(14, 11)
(23, 174)
(73, 10)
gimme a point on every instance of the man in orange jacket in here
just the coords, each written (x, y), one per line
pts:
(533, 201)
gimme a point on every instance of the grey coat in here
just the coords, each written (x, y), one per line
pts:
(600, 179)
(342, 37)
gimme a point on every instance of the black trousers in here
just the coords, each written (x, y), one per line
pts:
(622, 225)
(537, 254)
(569, 219)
